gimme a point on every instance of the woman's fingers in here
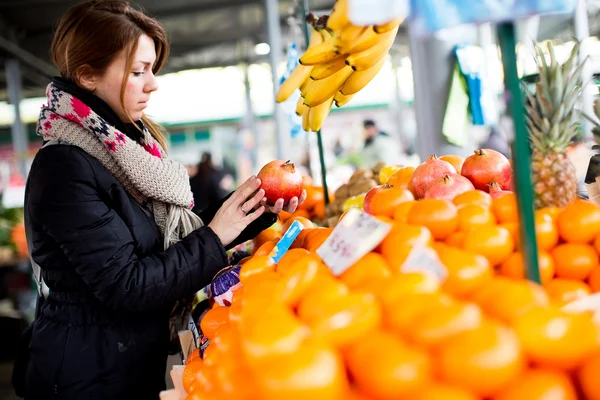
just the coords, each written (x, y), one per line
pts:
(251, 203)
(248, 219)
(245, 191)
(292, 205)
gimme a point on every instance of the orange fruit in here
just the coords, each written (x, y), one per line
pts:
(552, 212)
(473, 197)
(314, 372)
(263, 338)
(299, 241)
(574, 261)
(456, 239)
(319, 209)
(386, 172)
(194, 355)
(213, 319)
(345, 319)
(467, 272)
(234, 382)
(507, 299)
(588, 376)
(371, 266)
(579, 222)
(594, 280)
(313, 241)
(306, 223)
(539, 384)
(400, 369)
(323, 290)
(398, 243)
(385, 201)
(256, 265)
(227, 342)
(546, 232)
(473, 215)
(514, 266)
(198, 376)
(314, 195)
(266, 248)
(444, 323)
(456, 161)
(483, 360)
(493, 242)
(439, 216)
(513, 228)
(505, 208)
(268, 235)
(284, 216)
(401, 178)
(399, 286)
(441, 391)
(402, 210)
(296, 279)
(400, 319)
(300, 213)
(289, 258)
(563, 291)
(597, 244)
(556, 339)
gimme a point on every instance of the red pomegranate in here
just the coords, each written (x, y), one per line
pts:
(430, 171)
(485, 166)
(280, 180)
(368, 202)
(448, 187)
(496, 190)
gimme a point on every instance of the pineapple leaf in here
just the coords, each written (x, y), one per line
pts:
(597, 108)
(534, 116)
(545, 105)
(559, 115)
(575, 79)
(568, 66)
(592, 120)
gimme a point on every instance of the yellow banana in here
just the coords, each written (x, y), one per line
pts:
(300, 106)
(322, 71)
(341, 99)
(388, 26)
(369, 57)
(305, 119)
(316, 38)
(304, 86)
(360, 79)
(319, 91)
(369, 39)
(293, 82)
(339, 16)
(318, 114)
(326, 34)
(319, 54)
(348, 36)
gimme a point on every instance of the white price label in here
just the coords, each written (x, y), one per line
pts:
(373, 12)
(354, 236)
(425, 259)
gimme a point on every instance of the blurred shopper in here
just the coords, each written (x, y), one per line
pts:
(109, 217)
(496, 141)
(210, 184)
(379, 146)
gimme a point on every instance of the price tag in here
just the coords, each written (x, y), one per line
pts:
(424, 259)
(373, 12)
(355, 235)
(286, 241)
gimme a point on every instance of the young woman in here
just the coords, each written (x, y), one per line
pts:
(110, 218)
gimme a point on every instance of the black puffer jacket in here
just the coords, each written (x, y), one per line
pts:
(103, 331)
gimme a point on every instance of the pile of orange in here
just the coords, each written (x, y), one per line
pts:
(296, 331)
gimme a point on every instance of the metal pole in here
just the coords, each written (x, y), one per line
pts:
(303, 11)
(274, 34)
(19, 134)
(521, 158)
(582, 32)
(249, 121)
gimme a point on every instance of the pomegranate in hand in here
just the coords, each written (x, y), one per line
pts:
(280, 180)
(486, 166)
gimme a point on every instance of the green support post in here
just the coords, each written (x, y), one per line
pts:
(521, 151)
(303, 13)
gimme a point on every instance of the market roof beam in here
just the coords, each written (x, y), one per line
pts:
(211, 5)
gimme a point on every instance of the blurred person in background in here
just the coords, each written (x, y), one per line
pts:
(210, 183)
(109, 218)
(379, 146)
(496, 140)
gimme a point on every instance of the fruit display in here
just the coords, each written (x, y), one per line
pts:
(280, 180)
(294, 330)
(340, 60)
(552, 122)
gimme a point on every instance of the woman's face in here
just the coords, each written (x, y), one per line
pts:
(140, 83)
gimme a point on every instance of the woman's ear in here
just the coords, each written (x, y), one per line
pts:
(86, 78)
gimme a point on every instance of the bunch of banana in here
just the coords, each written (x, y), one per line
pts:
(340, 60)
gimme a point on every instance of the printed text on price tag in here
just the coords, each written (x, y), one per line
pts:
(354, 236)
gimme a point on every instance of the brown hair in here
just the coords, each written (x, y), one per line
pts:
(92, 34)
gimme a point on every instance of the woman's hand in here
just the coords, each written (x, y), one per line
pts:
(240, 210)
(289, 207)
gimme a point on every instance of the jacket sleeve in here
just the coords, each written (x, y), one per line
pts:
(100, 247)
(251, 231)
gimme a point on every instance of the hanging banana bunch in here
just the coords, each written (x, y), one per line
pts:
(340, 60)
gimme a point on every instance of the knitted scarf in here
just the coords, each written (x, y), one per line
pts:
(158, 184)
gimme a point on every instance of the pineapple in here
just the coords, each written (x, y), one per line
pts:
(552, 123)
